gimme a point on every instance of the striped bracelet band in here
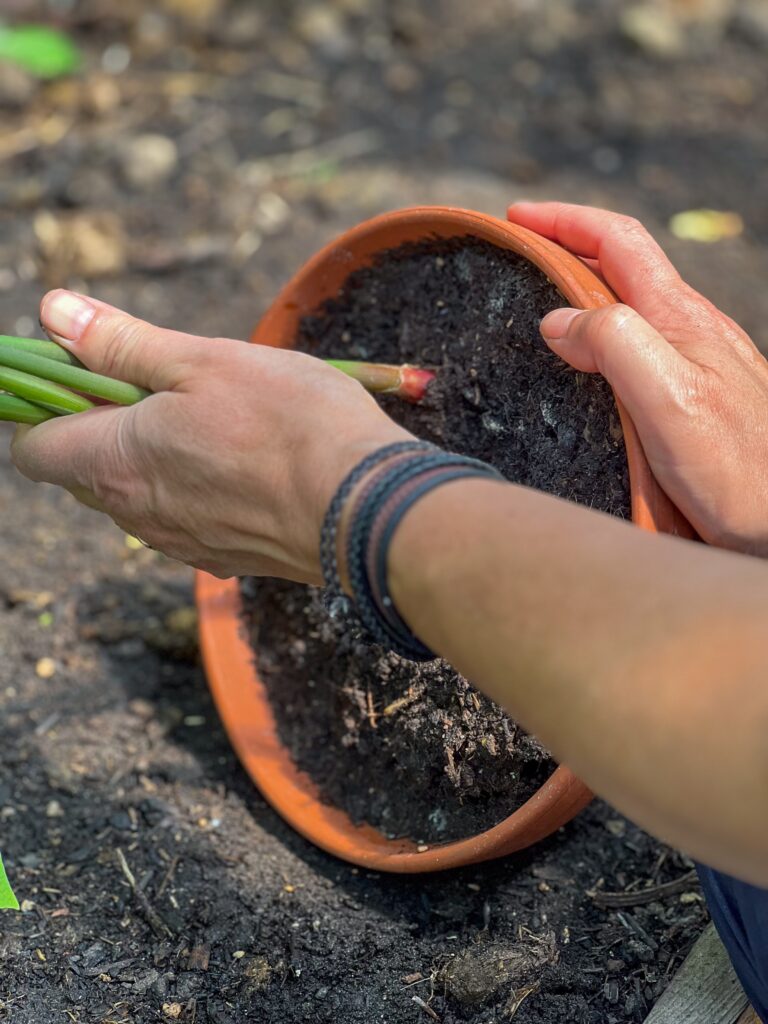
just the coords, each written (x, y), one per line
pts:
(379, 509)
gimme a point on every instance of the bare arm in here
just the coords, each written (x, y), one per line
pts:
(642, 662)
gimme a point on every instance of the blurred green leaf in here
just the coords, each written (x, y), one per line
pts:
(7, 900)
(43, 52)
(706, 225)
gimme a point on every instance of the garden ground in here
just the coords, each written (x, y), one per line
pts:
(282, 125)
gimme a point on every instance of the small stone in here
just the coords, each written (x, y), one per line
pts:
(17, 87)
(142, 709)
(45, 668)
(193, 11)
(751, 20)
(654, 31)
(238, 954)
(172, 1010)
(182, 620)
(116, 59)
(401, 77)
(272, 213)
(616, 827)
(241, 27)
(670, 28)
(54, 809)
(611, 990)
(324, 27)
(147, 161)
(81, 244)
(689, 898)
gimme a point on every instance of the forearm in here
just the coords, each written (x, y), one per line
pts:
(641, 661)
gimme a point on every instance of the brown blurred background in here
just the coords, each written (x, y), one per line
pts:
(207, 147)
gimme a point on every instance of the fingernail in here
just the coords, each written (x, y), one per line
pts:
(555, 325)
(66, 314)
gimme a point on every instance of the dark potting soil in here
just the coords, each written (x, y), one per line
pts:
(122, 749)
(414, 749)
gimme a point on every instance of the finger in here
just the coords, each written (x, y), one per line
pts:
(645, 371)
(67, 450)
(631, 261)
(22, 444)
(113, 343)
(636, 268)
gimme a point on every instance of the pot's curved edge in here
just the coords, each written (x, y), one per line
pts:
(228, 658)
(651, 508)
(244, 708)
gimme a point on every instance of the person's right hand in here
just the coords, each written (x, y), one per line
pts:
(691, 379)
(229, 466)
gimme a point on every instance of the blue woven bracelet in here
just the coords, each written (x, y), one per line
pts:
(380, 617)
(330, 526)
(379, 556)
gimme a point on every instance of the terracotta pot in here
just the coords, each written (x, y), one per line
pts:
(229, 660)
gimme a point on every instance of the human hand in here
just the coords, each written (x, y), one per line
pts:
(691, 379)
(233, 461)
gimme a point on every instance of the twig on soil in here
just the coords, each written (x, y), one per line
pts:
(372, 714)
(401, 702)
(609, 900)
(426, 1008)
(168, 877)
(302, 161)
(153, 919)
(304, 91)
(517, 998)
(47, 723)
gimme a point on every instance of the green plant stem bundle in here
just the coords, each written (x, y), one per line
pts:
(37, 347)
(39, 379)
(42, 392)
(17, 410)
(73, 377)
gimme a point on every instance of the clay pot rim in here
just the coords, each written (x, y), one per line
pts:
(228, 657)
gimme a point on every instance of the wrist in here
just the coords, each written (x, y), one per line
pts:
(362, 521)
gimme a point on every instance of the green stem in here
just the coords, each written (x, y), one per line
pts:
(408, 382)
(37, 347)
(17, 410)
(40, 361)
(42, 392)
(71, 376)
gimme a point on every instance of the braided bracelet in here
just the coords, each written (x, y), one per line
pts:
(351, 480)
(375, 518)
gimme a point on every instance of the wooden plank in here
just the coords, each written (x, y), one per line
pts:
(705, 990)
(748, 1017)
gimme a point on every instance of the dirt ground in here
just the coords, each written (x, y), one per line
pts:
(279, 124)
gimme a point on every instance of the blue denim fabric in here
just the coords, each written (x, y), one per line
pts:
(740, 913)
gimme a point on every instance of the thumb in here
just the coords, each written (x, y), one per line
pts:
(114, 343)
(641, 366)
